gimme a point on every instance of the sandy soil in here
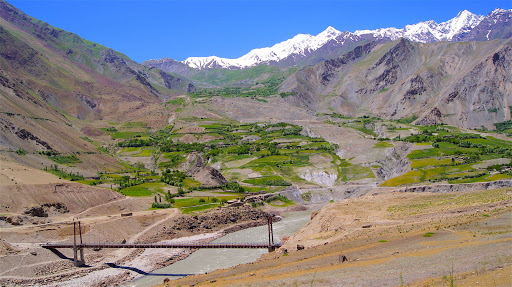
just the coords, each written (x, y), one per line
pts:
(385, 239)
(76, 197)
(12, 173)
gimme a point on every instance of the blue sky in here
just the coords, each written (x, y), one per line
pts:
(153, 29)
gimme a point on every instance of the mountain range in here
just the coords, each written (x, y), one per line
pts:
(55, 85)
(308, 49)
(466, 84)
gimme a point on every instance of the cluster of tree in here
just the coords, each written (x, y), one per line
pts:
(64, 174)
(278, 197)
(174, 161)
(60, 158)
(110, 129)
(503, 126)
(460, 141)
(160, 205)
(267, 88)
(127, 181)
(275, 182)
(233, 186)
(500, 167)
(230, 186)
(174, 177)
(186, 147)
(49, 152)
(136, 142)
(455, 177)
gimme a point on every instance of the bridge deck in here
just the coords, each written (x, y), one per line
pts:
(161, 245)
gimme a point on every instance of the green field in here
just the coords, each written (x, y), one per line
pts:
(413, 176)
(145, 189)
(273, 180)
(424, 162)
(455, 157)
(137, 151)
(383, 144)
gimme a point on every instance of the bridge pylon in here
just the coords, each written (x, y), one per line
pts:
(76, 248)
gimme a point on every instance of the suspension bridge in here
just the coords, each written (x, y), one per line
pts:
(78, 245)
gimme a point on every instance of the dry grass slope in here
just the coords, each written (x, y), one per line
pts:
(412, 237)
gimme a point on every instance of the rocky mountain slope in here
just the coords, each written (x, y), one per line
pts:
(96, 57)
(463, 84)
(304, 49)
(53, 83)
(79, 77)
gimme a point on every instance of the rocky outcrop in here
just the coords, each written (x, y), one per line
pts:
(395, 162)
(392, 66)
(207, 175)
(331, 67)
(445, 188)
(18, 220)
(433, 117)
(325, 178)
(44, 209)
(23, 134)
(207, 221)
(321, 195)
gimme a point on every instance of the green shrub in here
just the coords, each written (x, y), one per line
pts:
(278, 197)
(160, 205)
(63, 174)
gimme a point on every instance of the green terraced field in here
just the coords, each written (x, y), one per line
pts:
(424, 162)
(413, 176)
(145, 189)
(455, 157)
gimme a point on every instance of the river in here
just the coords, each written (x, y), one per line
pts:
(208, 260)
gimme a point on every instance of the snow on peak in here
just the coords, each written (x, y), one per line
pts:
(298, 45)
(302, 44)
(429, 31)
(499, 11)
(463, 22)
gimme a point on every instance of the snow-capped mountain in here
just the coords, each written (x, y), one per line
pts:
(298, 45)
(429, 31)
(301, 46)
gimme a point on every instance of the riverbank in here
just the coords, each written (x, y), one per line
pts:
(389, 239)
(208, 260)
(108, 267)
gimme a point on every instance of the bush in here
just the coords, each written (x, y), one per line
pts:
(160, 205)
(278, 197)
(63, 174)
(234, 186)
